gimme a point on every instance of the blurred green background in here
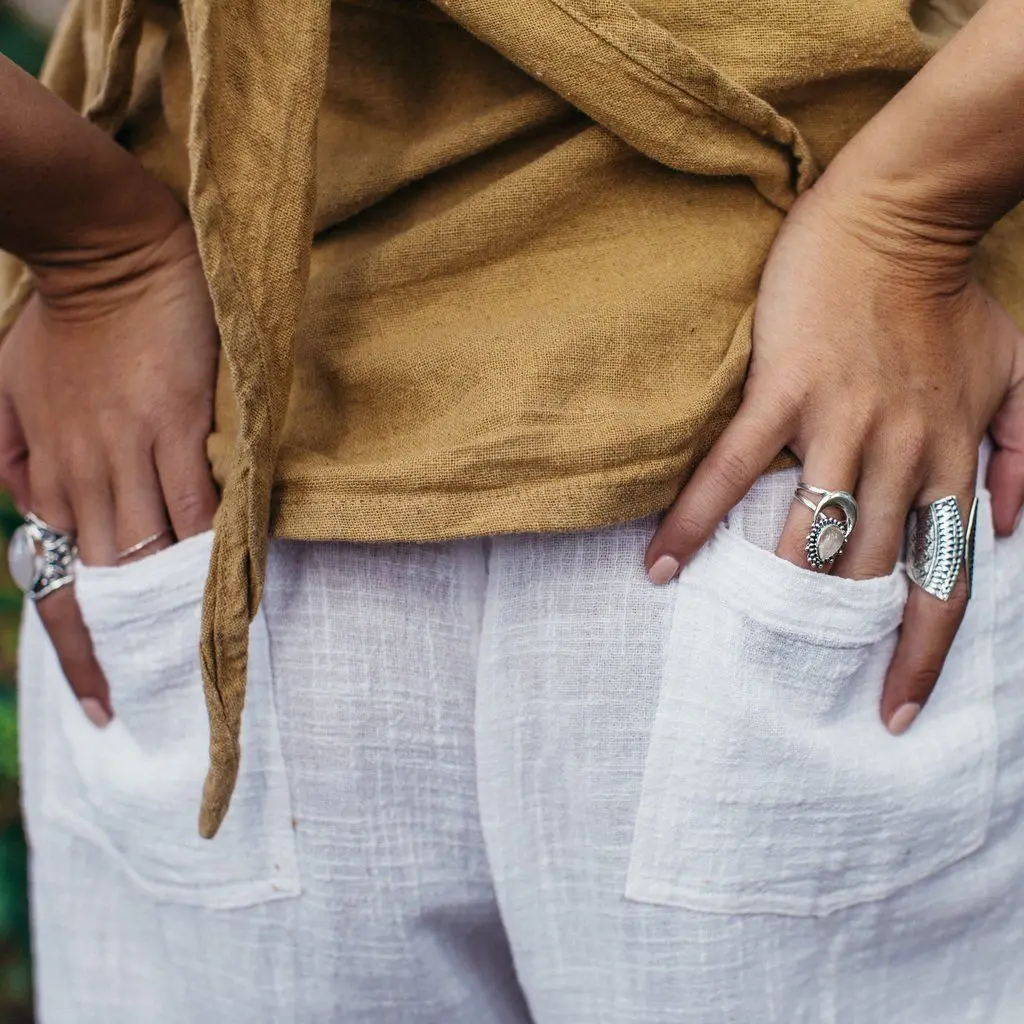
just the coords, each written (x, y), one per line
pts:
(24, 42)
(21, 40)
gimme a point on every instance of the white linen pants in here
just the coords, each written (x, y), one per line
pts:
(507, 779)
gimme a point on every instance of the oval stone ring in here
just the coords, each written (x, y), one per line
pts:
(828, 534)
(41, 558)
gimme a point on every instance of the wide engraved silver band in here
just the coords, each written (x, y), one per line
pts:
(938, 544)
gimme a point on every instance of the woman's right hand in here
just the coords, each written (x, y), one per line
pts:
(106, 403)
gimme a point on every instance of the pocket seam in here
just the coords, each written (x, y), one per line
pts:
(642, 889)
(882, 597)
(226, 895)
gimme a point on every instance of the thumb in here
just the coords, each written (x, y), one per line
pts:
(1005, 479)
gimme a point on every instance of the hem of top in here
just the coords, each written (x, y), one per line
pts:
(311, 511)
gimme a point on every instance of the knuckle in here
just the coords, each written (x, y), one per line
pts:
(81, 456)
(792, 380)
(189, 506)
(183, 427)
(83, 472)
(791, 398)
(47, 496)
(922, 679)
(163, 414)
(733, 469)
(119, 429)
(912, 440)
(178, 407)
(684, 531)
(859, 420)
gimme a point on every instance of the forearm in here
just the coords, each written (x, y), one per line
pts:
(946, 155)
(71, 199)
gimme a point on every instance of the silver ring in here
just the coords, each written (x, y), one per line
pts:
(938, 543)
(828, 535)
(41, 558)
(143, 544)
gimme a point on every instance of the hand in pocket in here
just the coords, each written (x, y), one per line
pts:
(106, 396)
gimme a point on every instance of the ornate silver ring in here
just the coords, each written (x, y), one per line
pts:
(828, 534)
(937, 544)
(41, 558)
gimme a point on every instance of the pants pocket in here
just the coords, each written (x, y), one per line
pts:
(771, 785)
(134, 788)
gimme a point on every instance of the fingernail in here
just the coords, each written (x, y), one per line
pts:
(664, 568)
(95, 712)
(903, 718)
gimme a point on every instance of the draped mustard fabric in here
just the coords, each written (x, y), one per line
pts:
(478, 266)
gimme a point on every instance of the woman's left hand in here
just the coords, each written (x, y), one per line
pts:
(881, 362)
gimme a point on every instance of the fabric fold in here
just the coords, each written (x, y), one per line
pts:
(644, 85)
(258, 82)
(122, 30)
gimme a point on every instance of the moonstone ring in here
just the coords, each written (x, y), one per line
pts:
(41, 558)
(828, 534)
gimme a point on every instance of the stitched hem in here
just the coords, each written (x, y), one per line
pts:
(307, 509)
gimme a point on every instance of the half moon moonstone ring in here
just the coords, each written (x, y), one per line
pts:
(41, 558)
(829, 533)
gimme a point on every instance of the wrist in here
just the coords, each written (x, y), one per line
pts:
(97, 280)
(901, 217)
(925, 174)
(118, 245)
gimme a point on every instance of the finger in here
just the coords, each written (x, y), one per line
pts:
(90, 493)
(141, 515)
(755, 436)
(885, 495)
(48, 498)
(832, 467)
(187, 483)
(63, 622)
(1005, 477)
(926, 635)
(1005, 481)
(928, 630)
(13, 456)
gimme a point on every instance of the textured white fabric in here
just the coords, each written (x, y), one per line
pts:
(768, 727)
(132, 788)
(665, 804)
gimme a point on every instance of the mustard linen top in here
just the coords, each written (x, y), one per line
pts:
(478, 266)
